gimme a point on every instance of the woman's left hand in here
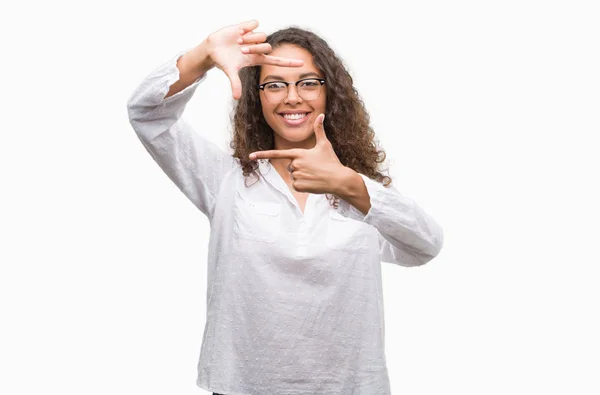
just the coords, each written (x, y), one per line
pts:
(316, 170)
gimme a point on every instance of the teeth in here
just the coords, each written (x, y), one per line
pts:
(294, 116)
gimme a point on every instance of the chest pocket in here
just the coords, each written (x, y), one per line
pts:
(258, 221)
(345, 234)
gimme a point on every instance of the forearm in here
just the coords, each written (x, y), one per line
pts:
(413, 236)
(192, 65)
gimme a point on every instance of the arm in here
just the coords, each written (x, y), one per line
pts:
(194, 164)
(192, 65)
(408, 235)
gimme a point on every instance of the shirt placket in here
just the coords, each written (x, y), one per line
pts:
(304, 220)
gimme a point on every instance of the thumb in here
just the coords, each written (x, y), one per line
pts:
(319, 128)
(236, 84)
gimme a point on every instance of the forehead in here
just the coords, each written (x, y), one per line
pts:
(292, 52)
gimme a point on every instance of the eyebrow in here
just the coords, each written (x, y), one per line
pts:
(303, 75)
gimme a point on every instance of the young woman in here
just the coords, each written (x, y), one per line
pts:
(300, 215)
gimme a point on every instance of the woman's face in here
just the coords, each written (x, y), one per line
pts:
(292, 130)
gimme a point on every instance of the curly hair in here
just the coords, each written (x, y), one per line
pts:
(346, 119)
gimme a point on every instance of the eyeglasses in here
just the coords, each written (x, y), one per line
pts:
(277, 91)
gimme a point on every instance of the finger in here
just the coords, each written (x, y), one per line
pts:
(236, 84)
(320, 129)
(257, 48)
(248, 26)
(298, 175)
(300, 186)
(253, 38)
(283, 62)
(276, 154)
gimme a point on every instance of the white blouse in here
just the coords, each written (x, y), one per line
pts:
(294, 301)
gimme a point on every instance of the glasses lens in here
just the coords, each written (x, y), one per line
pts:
(275, 92)
(309, 89)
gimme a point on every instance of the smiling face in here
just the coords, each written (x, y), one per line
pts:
(292, 119)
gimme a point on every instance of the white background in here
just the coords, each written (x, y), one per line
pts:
(488, 111)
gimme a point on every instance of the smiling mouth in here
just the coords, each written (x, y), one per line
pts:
(295, 117)
(295, 120)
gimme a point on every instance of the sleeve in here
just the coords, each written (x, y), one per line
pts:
(408, 236)
(194, 164)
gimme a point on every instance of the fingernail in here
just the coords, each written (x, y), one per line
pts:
(245, 49)
(252, 156)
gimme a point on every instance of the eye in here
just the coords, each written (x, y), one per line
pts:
(310, 84)
(275, 86)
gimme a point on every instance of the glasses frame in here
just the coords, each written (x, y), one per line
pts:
(287, 87)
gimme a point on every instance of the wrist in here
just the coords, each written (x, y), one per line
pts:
(345, 188)
(201, 59)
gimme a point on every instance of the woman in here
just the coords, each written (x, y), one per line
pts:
(300, 219)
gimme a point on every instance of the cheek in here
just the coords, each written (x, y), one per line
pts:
(267, 113)
(323, 102)
(267, 110)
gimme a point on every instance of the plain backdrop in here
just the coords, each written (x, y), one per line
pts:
(489, 114)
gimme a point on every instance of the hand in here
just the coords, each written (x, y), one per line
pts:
(238, 46)
(316, 170)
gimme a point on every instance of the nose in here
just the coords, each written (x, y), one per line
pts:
(292, 96)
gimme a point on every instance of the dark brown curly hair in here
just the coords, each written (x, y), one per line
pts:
(346, 119)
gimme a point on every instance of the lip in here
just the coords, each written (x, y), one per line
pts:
(295, 122)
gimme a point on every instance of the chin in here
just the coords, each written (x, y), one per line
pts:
(295, 136)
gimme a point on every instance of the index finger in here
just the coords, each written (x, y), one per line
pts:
(276, 154)
(284, 62)
(248, 26)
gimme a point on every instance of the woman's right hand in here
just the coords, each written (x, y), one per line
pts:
(238, 46)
